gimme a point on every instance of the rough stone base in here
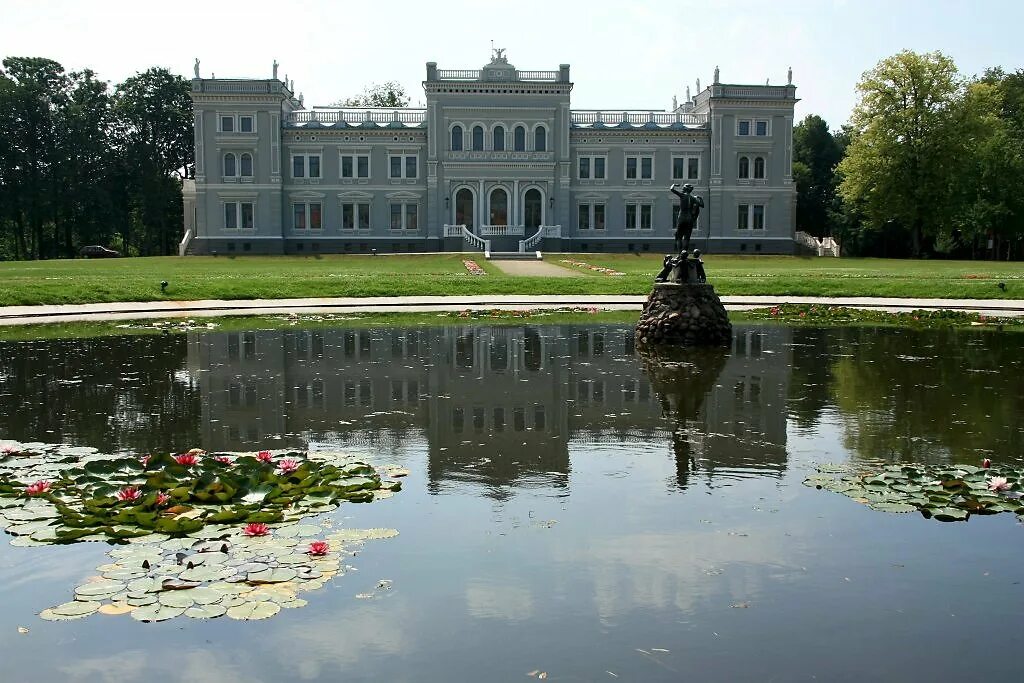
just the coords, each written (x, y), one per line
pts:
(683, 315)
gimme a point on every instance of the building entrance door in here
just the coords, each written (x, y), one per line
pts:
(465, 211)
(533, 210)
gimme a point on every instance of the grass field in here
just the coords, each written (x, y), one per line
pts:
(271, 277)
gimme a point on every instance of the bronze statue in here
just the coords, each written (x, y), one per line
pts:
(698, 266)
(689, 209)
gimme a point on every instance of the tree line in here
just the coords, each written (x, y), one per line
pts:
(931, 163)
(83, 163)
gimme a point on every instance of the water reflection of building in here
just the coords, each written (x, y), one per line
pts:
(496, 405)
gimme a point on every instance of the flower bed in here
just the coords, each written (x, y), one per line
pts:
(588, 266)
(473, 268)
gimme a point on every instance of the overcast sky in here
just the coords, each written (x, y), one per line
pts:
(624, 54)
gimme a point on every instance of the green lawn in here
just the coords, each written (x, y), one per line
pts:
(203, 277)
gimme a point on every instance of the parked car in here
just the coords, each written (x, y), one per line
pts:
(96, 251)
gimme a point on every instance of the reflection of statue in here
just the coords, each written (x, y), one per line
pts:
(689, 209)
(682, 380)
(274, 76)
(195, 68)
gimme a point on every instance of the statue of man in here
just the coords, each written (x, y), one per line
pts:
(689, 209)
(275, 70)
(195, 68)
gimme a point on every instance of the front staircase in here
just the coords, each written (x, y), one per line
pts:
(494, 240)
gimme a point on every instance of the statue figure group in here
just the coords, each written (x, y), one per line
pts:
(681, 268)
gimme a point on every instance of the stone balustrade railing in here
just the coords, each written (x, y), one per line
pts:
(614, 118)
(502, 230)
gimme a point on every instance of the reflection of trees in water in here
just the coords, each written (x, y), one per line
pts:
(929, 395)
(108, 392)
(809, 387)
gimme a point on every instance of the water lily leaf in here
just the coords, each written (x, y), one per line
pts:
(206, 611)
(258, 494)
(138, 600)
(75, 609)
(275, 575)
(177, 584)
(156, 612)
(99, 589)
(115, 608)
(949, 514)
(181, 599)
(204, 595)
(254, 610)
(893, 507)
(292, 604)
(203, 573)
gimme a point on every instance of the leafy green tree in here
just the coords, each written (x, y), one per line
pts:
(389, 94)
(816, 153)
(901, 162)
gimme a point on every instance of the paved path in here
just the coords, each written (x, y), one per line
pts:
(532, 268)
(21, 315)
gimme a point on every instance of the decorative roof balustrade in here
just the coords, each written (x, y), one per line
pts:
(636, 119)
(371, 118)
(239, 86)
(510, 74)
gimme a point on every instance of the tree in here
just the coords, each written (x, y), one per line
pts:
(900, 164)
(816, 153)
(390, 94)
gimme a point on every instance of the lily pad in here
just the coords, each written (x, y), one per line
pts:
(275, 575)
(254, 610)
(156, 612)
(206, 611)
(76, 609)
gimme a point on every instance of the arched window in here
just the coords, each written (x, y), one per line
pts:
(499, 207)
(246, 165)
(478, 138)
(519, 139)
(540, 142)
(456, 138)
(744, 170)
(759, 167)
(229, 165)
(464, 208)
(499, 139)
(533, 209)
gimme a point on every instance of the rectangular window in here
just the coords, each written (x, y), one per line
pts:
(348, 216)
(693, 168)
(645, 216)
(584, 217)
(314, 216)
(758, 217)
(744, 128)
(306, 166)
(591, 216)
(346, 167)
(631, 214)
(230, 216)
(396, 167)
(298, 167)
(598, 216)
(227, 124)
(355, 166)
(248, 219)
(410, 167)
(363, 166)
(761, 128)
(299, 216)
(584, 168)
(314, 166)
(646, 167)
(678, 167)
(245, 124)
(396, 214)
(743, 217)
(404, 216)
(630, 168)
(364, 217)
(411, 215)
(599, 168)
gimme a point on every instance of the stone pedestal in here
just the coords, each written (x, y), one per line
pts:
(683, 314)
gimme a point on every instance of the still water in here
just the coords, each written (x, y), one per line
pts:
(572, 510)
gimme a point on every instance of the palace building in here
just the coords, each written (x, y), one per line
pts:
(497, 161)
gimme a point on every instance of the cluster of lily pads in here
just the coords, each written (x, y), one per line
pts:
(199, 534)
(946, 493)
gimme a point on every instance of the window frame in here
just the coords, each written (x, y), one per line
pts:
(753, 213)
(686, 159)
(767, 128)
(739, 127)
(308, 216)
(235, 206)
(495, 138)
(538, 130)
(357, 224)
(638, 206)
(224, 165)
(305, 156)
(638, 160)
(241, 165)
(743, 168)
(516, 130)
(403, 165)
(354, 157)
(252, 127)
(590, 210)
(591, 160)
(461, 138)
(763, 168)
(404, 205)
(472, 138)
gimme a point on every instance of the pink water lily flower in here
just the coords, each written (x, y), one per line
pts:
(256, 529)
(222, 459)
(38, 488)
(319, 548)
(287, 466)
(128, 494)
(186, 459)
(264, 456)
(144, 459)
(986, 463)
(8, 450)
(162, 498)
(998, 484)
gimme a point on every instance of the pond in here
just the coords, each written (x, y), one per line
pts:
(571, 512)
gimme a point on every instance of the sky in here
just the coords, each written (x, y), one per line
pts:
(630, 54)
